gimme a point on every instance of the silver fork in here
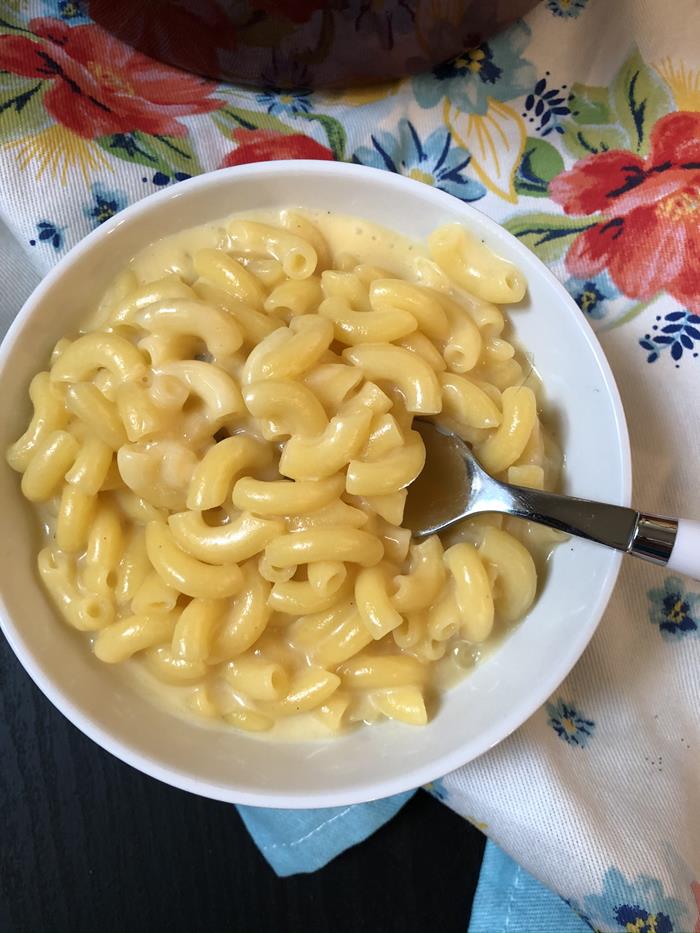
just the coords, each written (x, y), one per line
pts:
(453, 485)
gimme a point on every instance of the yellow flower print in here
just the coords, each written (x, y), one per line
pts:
(360, 96)
(58, 151)
(683, 81)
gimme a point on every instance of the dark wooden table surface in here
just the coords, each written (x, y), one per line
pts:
(89, 844)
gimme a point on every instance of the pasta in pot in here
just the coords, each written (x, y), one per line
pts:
(222, 463)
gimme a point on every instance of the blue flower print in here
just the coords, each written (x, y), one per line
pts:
(105, 204)
(592, 295)
(290, 103)
(48, 232)
(678, 331)
(567, 9)
(477, 60)
(569, 724)
(634, 907)
(73, 12)
(491, 69)
(546, 106)
(436, 161)
(160, 179)
(674, 609)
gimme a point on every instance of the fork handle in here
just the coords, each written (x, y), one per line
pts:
(685, 554)
(672, 542)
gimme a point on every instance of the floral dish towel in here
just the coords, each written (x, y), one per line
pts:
(578, 129)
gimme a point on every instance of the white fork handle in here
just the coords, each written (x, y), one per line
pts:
(685, 556)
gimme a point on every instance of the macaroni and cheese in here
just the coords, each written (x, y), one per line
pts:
(220, 460)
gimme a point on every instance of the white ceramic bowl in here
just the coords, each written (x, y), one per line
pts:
(372, 762)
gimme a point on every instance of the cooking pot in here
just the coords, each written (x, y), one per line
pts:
(306, 43)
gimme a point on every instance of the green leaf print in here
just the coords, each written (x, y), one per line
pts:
(21, 107)
(334, 131)
(549, 236)
(640, 97)
(589, 104)
(7, 22)
(164, 154)
(230, 118)
(619, 117)
(540, 163)
(592, 128)
(177, 152)
(582, 141)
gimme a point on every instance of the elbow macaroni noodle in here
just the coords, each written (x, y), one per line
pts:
(221, 458)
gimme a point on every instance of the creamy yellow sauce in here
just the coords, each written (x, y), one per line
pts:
(351, 241)
(345, 235)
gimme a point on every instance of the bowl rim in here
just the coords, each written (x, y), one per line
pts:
(459, 755)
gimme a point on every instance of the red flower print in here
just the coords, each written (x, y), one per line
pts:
(100, 86)
(266, 146)
(695, 889)
(649, 234)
